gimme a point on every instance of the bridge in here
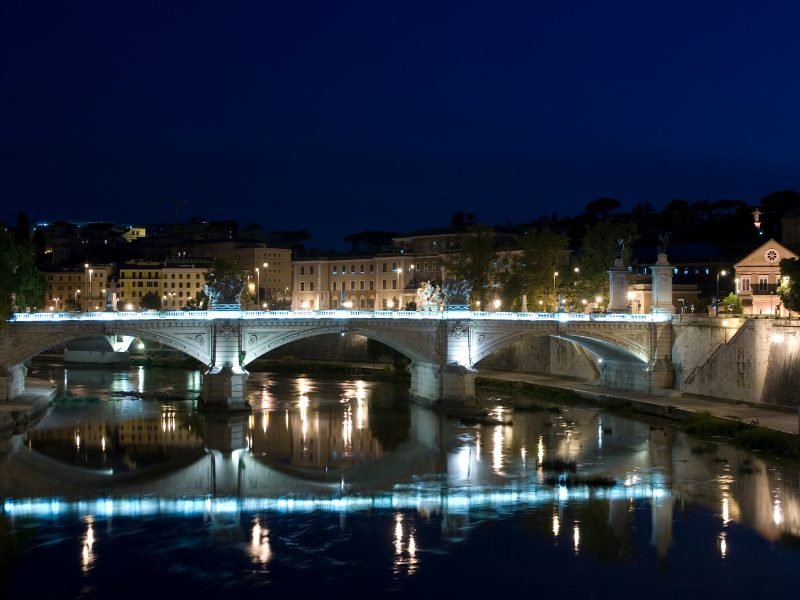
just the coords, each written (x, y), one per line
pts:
(443, 347)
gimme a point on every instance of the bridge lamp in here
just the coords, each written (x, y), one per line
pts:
(77, 292)
(412, 275)
(478, 304)
(389, 304)
(497, 303)
(129, 306)
(304, 304)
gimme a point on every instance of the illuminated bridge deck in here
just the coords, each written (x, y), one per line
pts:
(452, 315)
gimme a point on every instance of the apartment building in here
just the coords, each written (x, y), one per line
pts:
(84, 288)
(181, 282)
(381, 282)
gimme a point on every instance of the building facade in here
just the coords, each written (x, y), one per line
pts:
(758, 276)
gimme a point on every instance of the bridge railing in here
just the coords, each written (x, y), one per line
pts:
(335, 314)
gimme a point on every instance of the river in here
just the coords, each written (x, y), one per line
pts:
(347, 488)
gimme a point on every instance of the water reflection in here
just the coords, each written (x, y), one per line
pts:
(332, 443)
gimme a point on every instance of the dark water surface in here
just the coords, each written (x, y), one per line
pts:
(344, 488)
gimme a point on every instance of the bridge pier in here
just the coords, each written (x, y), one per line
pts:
(12, 382)
(224, 389)
(434, 385)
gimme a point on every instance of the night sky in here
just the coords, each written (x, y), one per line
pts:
(343, 116)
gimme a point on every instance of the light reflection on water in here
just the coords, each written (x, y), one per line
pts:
(359, 452)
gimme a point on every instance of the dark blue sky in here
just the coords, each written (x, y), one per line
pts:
(340, 116)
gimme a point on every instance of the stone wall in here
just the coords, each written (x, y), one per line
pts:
(542, 354)
(750, 360)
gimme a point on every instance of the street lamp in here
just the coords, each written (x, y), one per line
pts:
(89, 299)
(555, 297)
(399, 295)
(497, 304)
(258, 287)
(76, 299)
(716, 304)
(412, 275)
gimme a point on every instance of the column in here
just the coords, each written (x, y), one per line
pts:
(224, 383)
(618, 287)
(662, 286)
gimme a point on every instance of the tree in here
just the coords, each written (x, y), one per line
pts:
(733, 304)
(789, 289)
(474, 262)
(597, 256)
(23, 285)
(199, 302)
(531, 272)
(150, 301)
(602, 206)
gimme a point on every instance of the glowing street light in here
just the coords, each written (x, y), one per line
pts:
(722, 273)
(412, 276)
(400, 296)
(77, 292)
(497, 303)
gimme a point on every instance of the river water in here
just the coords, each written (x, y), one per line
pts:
(346, 488)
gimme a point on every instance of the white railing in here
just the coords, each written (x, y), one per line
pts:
(458, 315)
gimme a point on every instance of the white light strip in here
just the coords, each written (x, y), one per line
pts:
(453, 502)
(457, 315)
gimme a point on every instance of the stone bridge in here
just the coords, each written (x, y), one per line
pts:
(443, 347)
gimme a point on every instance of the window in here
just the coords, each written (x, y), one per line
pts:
(372, 268)
(383, 303)
(302, 270)
(311, 270)
(384, 267)
(746, 284)
(361, 268)
(334, 270)
(762, 284)
(384, 284)
(335, 302)
(394, 267)
(394, 284)
(352, 285)
(363, 303)
(361, 284)
(334, 286)
(302, 286)
(311, 286)
(371, 285)
(352, 269)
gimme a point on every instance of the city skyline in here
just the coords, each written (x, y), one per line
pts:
(340, 119)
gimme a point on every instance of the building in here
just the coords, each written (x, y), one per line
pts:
(382, 282)
(181, 282)
(84, 288)
(758, 276)
(136, 280)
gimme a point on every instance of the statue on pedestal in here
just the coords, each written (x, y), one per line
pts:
(224, 294)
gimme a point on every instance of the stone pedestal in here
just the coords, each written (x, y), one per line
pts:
(618, 287)
(662, 286)
(432, 385)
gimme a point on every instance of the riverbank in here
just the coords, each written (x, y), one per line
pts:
(668, 403)
(17, 414)
(753, 427)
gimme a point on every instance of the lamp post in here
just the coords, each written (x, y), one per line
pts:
(555, 297)
(412, 276)
(716, 307)
(258, 287)
(76, 299)
(399, 295)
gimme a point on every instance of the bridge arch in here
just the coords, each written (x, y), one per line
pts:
(604, 346)
(415, 345)
(34, 340)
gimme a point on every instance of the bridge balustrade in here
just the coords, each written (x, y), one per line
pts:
(459, 315)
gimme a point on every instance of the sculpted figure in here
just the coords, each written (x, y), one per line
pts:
(224, 291)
